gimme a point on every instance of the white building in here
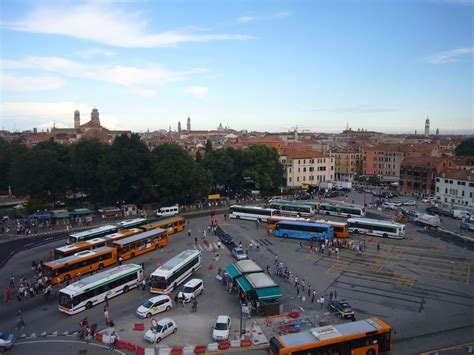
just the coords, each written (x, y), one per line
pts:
(456, 186)
(307, 168)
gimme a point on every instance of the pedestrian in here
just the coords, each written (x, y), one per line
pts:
(378, 247)
(321, 302)
(106, 316)
(335, 294)
(313, 296)
(106, 300)
(268, 270)
(297, 291)
(113, 340)
(301, 245)
(309, 290)
(195, 305)
(120, 260)
(12, 281)
(204, 233)
(302, 284)
(337, 252)
(189, 232)
(296, 281)
(46, 294)
(195, 241)
(275, 259)
(330, 296)
(20, 322)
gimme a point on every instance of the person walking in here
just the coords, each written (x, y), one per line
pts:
(335, 294)
(19, 320)
(12, 281)
(313, 296)
(378, 247)
(302, 284)
(309, 290)
(330, 296)
(106, 316)
(321, 302)
(106, 299)
(296, 281)
(189, 232)
(113, 340)
(195, 305)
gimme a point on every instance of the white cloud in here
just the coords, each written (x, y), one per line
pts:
(30, 83)
(102, 23)
(128, 76)
(92, 52)
(245, 19)
(44, 114)
(197, 91)
(450, 56)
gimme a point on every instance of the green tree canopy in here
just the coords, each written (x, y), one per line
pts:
(9, 152)
(466, 148)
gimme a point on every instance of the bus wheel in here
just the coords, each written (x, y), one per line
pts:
(327, 213)
(370, 352)
(88, 305)
(101, 266)
(349, 216)
(285, 235)
(238, 217)
(125, 289)
(67, 278)
(385, 235)
(356, 231)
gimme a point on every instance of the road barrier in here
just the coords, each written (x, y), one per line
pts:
(139, 326)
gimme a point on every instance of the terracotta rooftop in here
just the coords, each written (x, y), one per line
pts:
(303, 154)
(423, 162)
(458, 174)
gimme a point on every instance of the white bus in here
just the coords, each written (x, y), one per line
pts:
(252, 213)
(91, 234)
(130, 223)
(376, 227)
(293, 209)
(341, 210)
(92, 290)
(172, 273)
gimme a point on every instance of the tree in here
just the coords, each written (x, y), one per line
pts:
(220, 166)
(374, 180)
(9, 152)
(198, 158)
(208, 147)
(466, 148)
(177, 178)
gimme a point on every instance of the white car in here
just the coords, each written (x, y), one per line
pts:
(427, 200)
(191, 290)
(164, 327)
(6, 341)
(154, 305)
(409, 203)
(388, 205)
(221, 328)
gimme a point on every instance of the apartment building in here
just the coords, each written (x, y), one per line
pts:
(307, 168)
(456, 186)
(418, 174)
(348, 164)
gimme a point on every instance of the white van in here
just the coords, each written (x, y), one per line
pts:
(460, 214)
(167, 211)
(191, 290)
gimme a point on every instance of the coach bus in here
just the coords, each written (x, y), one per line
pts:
(293, 209)
(302, 230)
(111, 238)
(341, 229)
(91, 234)
(376, 227)
(365, 337)
(347, 211)
(172, 225)
(252, 213)
(272, 221)
(141, 243)
(92, 290)
(172, 273)
(131, 223)
(81, 263)
(71, 249)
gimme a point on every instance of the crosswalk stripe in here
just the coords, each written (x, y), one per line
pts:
(23, 336)
(32, 335)
(65, 333)
(43, 334)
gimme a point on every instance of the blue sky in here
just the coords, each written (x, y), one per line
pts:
(271, 65)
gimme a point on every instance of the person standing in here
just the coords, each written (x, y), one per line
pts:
(107, 300)
(330, 296)
(309, 290)
(12, 281)
(20, 322)
(195, 305)
(313, 296)
(335, 294)
(113, 340)
(106, 316)
(321, 302)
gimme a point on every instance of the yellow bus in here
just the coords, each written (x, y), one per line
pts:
(341, 229)
(172, 225)
(81, 263)
(141, 243)
(71, 249)
(272, 221)
(365, 337)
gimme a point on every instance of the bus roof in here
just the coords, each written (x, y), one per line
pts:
(131, 222)
(168, 267)
(374, 222)
(295, 204)
(346, 205)
(124, 233)
(161, 222)
(99, 278)
(94, 231)
(80, 244)
(139, 236)
(252, 207)
(77, 256)
(332, 223)
(328, 332)
(296, 223)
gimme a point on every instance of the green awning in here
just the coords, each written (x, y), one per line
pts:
(81, 211)
(244, 284)
(270, 293)
(61, 215)
(232, 271)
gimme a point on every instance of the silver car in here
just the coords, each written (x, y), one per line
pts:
(6, 341)
(239, 253)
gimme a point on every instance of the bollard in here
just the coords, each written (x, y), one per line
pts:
(200, 349)
(224, 345)
(176, 351)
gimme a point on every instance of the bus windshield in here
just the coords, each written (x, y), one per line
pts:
(159, 282)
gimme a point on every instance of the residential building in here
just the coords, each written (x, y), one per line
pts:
(456, 186)
(307, 168)
(418, 174)
(348, 164)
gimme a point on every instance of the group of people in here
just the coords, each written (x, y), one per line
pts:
(28, 289)
(87, 332)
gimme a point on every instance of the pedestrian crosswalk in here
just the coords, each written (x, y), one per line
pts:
(214, 246)
(72, 333)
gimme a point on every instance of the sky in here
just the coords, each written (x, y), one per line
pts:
(256, 65)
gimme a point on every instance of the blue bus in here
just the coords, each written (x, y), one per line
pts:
(303, 230)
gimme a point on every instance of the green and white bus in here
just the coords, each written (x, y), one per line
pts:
(92, 290)
(293, 209)
(341, 210)
(252, 213)
(172, 273)
(91, 234)
(376, 227)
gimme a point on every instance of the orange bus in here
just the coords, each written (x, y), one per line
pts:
(71, 249)
(141, 243)
(272, 221)
(172, 225)
(79, 264)
(111, 238)
(365, 337)
(340, 228)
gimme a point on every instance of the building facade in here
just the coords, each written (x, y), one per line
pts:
(456, 186)
(418, 174)
(348, 164)
(307, 168)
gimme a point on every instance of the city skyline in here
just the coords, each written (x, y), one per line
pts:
(380, 66)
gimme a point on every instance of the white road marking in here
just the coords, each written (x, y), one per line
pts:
(66, 341)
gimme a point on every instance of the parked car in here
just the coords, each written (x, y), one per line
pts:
(332, 194)
(409, 203)
(342, 308)
(398, 204)
(164, 327)
(191, 290)
(154, 305)
(460, 214)
(439, 211)
(427, 200)
(6, 341)
(239, 253)
(389, 206)
(412, 213)
(227, 238)
(221, 328)
(467, 226)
